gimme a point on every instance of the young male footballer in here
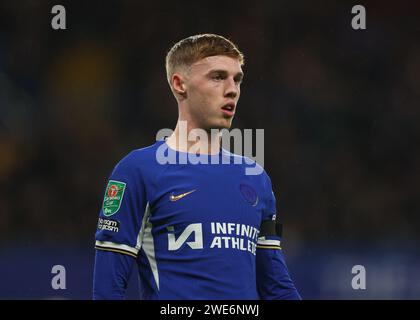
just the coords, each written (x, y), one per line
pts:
(202, 230)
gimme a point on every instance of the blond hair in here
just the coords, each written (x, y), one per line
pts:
(194, 48)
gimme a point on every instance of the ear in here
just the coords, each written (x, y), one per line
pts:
(178, 84)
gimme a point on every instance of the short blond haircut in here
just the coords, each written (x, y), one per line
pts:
(192, 49)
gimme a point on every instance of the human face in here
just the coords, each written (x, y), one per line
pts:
(213, 89)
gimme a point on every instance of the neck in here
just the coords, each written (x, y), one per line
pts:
(189, 138)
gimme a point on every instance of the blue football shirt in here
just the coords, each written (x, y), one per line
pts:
(192, 228)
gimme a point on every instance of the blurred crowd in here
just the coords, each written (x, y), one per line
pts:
(339, 108)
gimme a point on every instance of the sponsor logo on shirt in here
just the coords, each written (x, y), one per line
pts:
(108, 224)
(235, 236)
(114, 194)
(173, 197)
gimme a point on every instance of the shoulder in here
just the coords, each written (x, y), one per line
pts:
(138, 159)
(252, 168)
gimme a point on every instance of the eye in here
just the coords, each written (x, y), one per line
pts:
(238, 79)
(217, 77)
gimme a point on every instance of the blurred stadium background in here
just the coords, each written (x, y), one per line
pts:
(340, 109)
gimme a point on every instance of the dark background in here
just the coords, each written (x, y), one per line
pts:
(339, 108)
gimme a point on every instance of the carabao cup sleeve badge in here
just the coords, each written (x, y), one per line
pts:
(114, 194)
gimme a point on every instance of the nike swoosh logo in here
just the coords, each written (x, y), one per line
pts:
(180, 196)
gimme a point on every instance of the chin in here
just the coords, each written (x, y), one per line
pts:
(221, 126)
(218, 125)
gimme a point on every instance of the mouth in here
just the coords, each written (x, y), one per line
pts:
(229, 109)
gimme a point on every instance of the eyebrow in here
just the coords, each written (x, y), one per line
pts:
(224, 72)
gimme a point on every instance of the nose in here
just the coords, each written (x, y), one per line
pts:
(232, 89)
